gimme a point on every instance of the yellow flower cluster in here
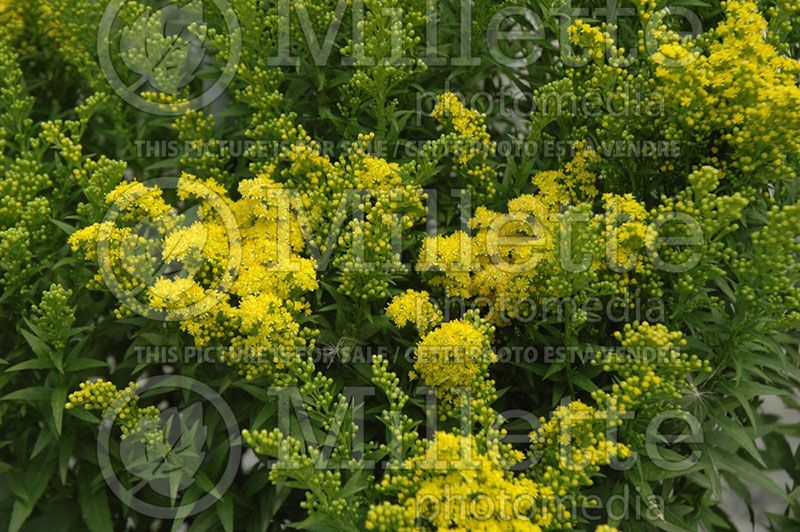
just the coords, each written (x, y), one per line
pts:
(703, 217)
(453, 355)
(770, 274)
(468, 123)
(241, 280)
(54, 316)
(497, 265)
(385, 196)
(652, 367)
(571, 447)
(739, 97)
(627, 232)
(13, 25)
(595, 41)
(547, 245)
(453, 484)
(433, 487)
(449, 357)
(121, 406)
(467, 142)
(573, 183)
(72, 25)
(297, 463)
(414, 307)
(727, 99)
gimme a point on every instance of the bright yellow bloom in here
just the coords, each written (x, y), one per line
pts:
(452, 355)
(454, 485)
(414, 307)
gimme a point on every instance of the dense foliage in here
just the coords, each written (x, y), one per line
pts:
(439, 277)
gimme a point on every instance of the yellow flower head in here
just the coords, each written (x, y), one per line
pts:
(414, 307)
(452, 355)
(454, 485)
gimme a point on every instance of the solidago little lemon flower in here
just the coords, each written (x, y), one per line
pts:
(468, 143)
(440, 486)
(452, 356)
(414, 307)
(122, 406)
(241, 281)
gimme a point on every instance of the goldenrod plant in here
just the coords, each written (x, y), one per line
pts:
(395, 266)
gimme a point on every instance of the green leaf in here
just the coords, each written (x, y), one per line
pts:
(354, 484)
(746, 471)
(738, 433)
(34, 393)
(34, 363)
(57, 401)
(65, 448)
(19, 514)
(225, 512)
(44, 439)
(94, 503)
(79, 364)
(35, 481)
(63, 226)
(583, 382)
(39, 347)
